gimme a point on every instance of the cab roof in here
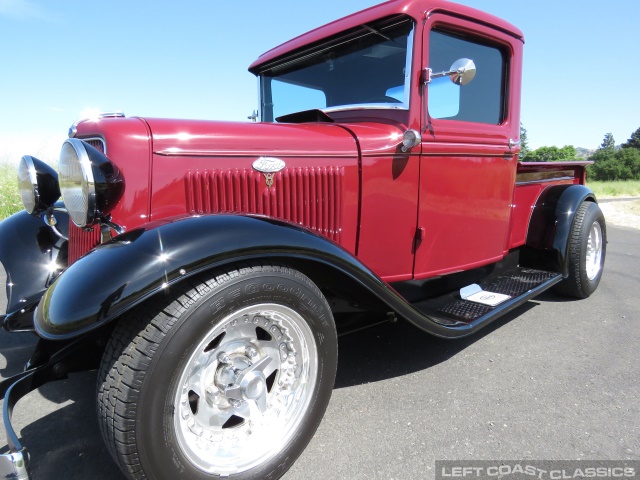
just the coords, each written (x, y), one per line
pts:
(417, 9)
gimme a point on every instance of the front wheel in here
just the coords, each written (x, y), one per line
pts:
(587, 250)
(230, 377)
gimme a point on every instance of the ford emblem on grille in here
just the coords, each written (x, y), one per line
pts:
(269, 166)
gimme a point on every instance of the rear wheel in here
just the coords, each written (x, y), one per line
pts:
(231, 377)
(587, 250)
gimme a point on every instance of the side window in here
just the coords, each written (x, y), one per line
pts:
(480, 101)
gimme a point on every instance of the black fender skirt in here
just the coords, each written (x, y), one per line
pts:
(119, 274)
(552, 219)
(31, 255)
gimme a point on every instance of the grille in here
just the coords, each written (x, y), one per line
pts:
(81, 241)
(96, 143)
(311, 197)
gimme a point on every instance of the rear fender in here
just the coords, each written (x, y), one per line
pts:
(552, 220)
(31, 256)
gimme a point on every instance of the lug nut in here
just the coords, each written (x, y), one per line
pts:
(251, 352)
(224, 358)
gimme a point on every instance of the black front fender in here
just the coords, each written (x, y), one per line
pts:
(31, 255)
(121, 273)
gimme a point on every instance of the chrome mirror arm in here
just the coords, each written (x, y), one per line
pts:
(461, 73)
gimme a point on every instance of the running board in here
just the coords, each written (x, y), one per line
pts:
(521, 284)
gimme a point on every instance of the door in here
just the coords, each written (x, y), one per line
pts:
(468, 162)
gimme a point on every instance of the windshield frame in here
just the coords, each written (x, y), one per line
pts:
(266, 75)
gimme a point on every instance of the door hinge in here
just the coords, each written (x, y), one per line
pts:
(420, 233)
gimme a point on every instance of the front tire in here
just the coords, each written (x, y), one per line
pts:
(230, 376)
(587, 250)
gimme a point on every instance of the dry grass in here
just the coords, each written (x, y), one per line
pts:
(629, 188)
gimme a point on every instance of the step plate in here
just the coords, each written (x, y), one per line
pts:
(515, 283)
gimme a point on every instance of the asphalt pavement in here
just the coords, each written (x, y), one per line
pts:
(556, 379)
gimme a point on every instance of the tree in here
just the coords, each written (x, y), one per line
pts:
(634, 141)
(608, 143)
(552, 154)
(524, 145)
(611, 165)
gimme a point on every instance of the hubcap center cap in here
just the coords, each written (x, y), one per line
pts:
(254, 386)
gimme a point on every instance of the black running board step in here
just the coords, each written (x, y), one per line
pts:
(521, 284)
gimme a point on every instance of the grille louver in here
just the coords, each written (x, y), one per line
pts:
(311, 197)
(96, 143)
(81, 241)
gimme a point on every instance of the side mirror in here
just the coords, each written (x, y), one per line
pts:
(461, 72)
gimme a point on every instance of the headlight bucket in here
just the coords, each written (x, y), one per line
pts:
(91, 185)
(38, 185)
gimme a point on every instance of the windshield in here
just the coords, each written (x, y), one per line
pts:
(367, 67)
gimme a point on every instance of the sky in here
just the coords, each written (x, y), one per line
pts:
(189, 59)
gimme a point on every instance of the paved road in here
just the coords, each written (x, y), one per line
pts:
(556, 380)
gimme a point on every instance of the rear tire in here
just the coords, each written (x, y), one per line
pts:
(229, 376)
(587, 250)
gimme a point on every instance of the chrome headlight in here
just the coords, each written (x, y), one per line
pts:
(38, 184)
(90, 184)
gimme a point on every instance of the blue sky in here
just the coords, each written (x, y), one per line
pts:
(189, 59)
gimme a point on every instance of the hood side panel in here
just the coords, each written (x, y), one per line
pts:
(207, 167)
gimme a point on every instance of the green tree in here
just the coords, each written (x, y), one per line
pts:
(608, 143)
(552, 154)
(610, 165)
(524, 145)
(634, 141)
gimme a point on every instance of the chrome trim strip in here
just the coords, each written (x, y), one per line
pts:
(465, 154)
(170, 152)
(546, 180)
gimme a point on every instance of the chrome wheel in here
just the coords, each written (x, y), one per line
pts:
(245, 389)
(594, 251)
(228, 376)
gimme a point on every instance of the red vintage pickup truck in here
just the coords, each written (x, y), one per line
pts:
(205, 268)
